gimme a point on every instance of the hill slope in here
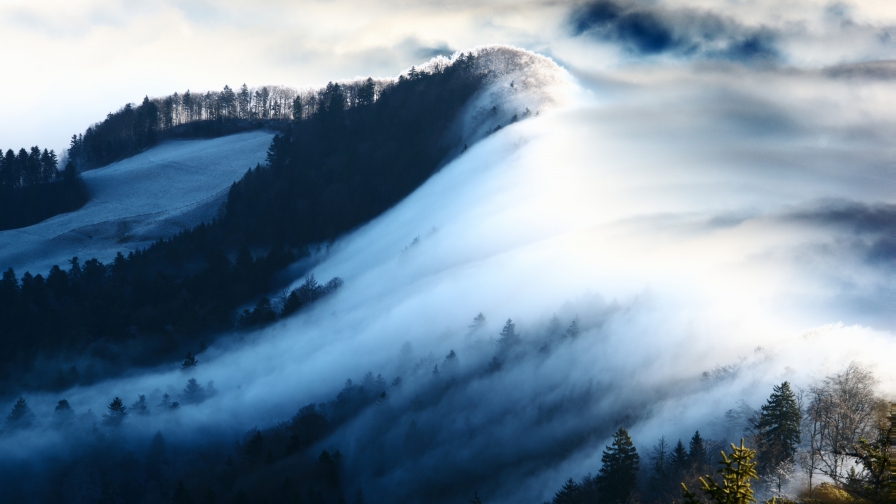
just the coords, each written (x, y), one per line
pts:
(137, 201)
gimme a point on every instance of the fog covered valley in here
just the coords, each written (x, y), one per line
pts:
(553, 256)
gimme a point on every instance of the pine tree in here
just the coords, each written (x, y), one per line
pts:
(619, 471)
(63, 413)
(568, 494)
(478, 323)
(21, 416)
(737, 471)
(573, 330)
(778, 427)
(244, 99)
(697, 456)
(189, 361)
(140, 407)
(116, 413)
(508, 336)
(678, 459)
(367, 92)
(193, 392)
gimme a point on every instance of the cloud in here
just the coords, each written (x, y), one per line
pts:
(877, 70)
(682, 32)
(850, 215)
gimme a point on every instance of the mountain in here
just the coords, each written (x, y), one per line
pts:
(589, 267)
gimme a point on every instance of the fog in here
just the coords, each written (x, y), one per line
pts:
(714, 228)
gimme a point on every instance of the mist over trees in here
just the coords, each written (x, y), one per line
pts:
(310, 458)
(841, 435)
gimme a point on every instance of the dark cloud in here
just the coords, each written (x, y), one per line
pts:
(874, 224)
(878, 70)
(850, 215)
(427, 52)
(688, 33)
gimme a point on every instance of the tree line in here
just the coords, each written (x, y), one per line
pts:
(837, 429)
(329, 173)
(136, 127)
(33, 189)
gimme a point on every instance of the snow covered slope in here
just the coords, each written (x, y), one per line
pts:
(134, 202)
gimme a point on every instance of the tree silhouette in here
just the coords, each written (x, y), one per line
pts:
(20, 417)
(778, 428)
(140, 407)
(189, 362)
(573, 330)
(568, 494)
(117, 413)
(508, 336)
(697, 452)
(619, 470)
(193, 392)
(63, 413)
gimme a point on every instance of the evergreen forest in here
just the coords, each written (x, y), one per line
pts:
(33, 189)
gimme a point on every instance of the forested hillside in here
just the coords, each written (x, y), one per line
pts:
(355, 151)
(33, 189)
(136, 127)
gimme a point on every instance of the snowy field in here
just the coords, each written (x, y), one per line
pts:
(134, 202)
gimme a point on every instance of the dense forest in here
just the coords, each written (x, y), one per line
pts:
(136, 127)
(32, 188)
(355, 151)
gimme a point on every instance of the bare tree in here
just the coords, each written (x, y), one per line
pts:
(841, 411)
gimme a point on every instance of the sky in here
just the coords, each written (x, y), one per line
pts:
(75, 61)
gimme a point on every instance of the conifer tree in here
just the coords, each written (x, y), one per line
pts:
(573, 330)
(697, 452)
(116, 414)
(21, 416)
(508, 336)
(778, 427)
(619, 471)
(189, 361)
(63, 413)
(568, 494)
(140, 407)
(737, 471)
(678, 459)
(193, 392)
